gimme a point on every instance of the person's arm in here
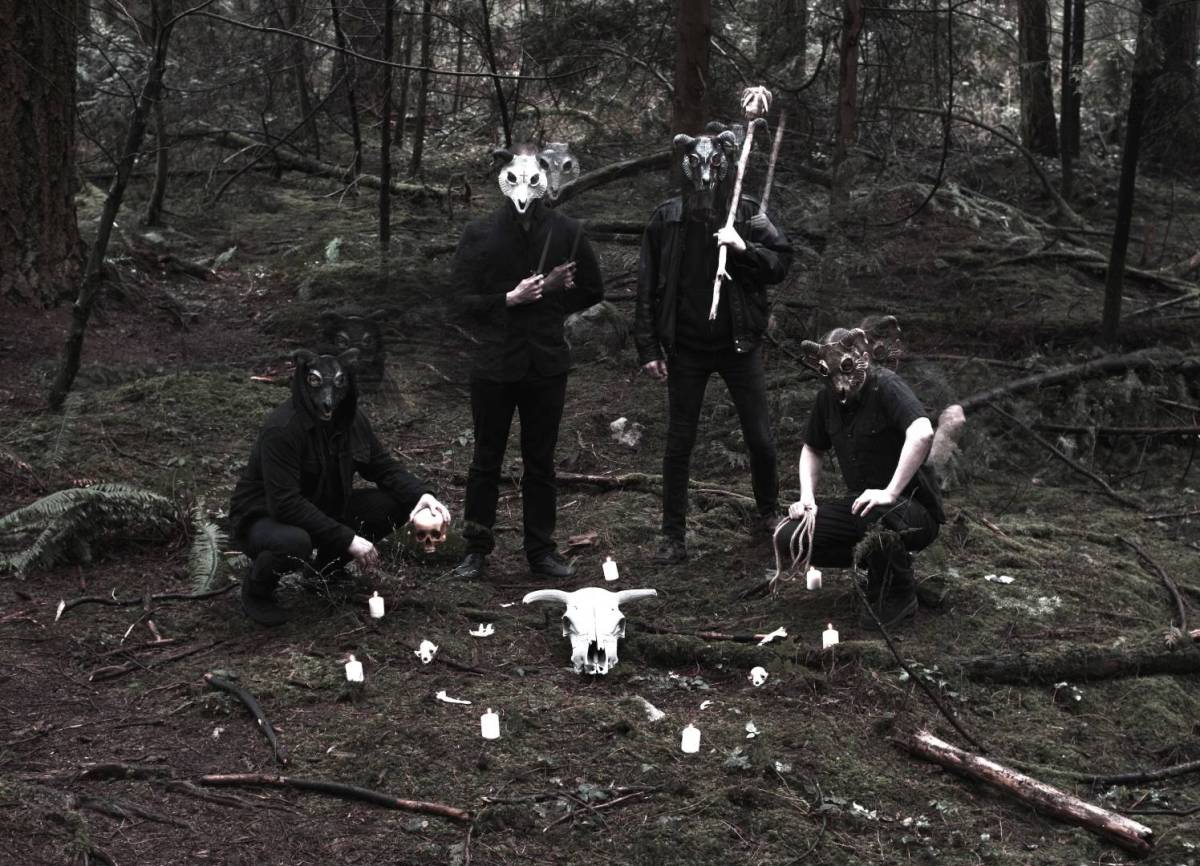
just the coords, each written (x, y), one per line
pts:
(917, 439)
(645, 323)
(384, 470)
(588, 283)
(810, 473)
(285, 502)
(764, 255)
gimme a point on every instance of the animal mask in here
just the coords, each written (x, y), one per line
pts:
(883, 340)
(561, 167)
(324, 380)
(843, 359)
(522, 176)
(339, 333)
(593, 621)
(705, 164)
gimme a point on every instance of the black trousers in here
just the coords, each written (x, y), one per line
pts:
(540, 403)
(688, 372)
(277, 548)
(838, 531)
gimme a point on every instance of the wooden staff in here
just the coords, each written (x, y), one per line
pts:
(756, 101)
(762, 204)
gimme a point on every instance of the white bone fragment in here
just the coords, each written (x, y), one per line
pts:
(751, 730)
(767, 638)
(62, 604)
(704, 705)
(426, 651)
(758, 676)
(999, 578)
(653, 713)
(485, 630)
(445, 698)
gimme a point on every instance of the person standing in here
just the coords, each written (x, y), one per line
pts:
(679, 344)
(518, 273)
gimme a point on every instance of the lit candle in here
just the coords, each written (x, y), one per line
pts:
(829, 637)
(814, 578)
(690, 742)
(375, 602)
(489, 725)
(610, 569)
(354, 671)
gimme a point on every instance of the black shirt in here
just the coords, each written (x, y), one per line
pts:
(868, 435)
(697, 271)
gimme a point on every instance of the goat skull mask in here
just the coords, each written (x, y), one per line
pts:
(705, 165)
(843, 359)
(523, 177)
(594, 623)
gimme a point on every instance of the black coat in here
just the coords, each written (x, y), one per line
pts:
(301, 470)
(494, 255)
(766, 261)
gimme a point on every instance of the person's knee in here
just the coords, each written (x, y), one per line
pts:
(293, 543)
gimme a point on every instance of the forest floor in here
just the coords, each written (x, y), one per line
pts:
(105, 733)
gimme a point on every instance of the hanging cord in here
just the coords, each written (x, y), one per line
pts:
(799, 546)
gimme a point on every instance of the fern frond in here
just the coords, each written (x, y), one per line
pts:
(204, 559)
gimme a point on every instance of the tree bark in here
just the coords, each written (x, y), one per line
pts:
(1078, 34)
(1145, 67)
(162, 167)
(40, 250)
(1172, 125)
(385, 132)
(418, 148)
(298, 71)
(406, 49)
(1038, 132)
(94, 272)
(693, 28)
(1078, 663)
(351, 82)
(1068, 85)
(490, 56)
(1048, 800)
(853, 19)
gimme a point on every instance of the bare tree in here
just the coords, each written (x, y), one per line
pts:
(418, 147)
(853, 19)
(385, 132)
(40, 250)
(1038, 129)
(693, 28)
(1173, 106)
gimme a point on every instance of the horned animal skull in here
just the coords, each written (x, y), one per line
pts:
(593, 621)
(522, 176)
(429, 529)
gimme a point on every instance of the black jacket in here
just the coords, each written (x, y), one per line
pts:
(301, 470)
(767, 259)
(494, 254)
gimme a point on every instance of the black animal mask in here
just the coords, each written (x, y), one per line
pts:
(706, 161)
(339, 333)
(324, 380)
(843, 359)
(883, 340)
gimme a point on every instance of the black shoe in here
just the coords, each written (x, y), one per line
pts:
(891, 610)
(551, 565)
(671, 551)
(471, 567)
(263, 609)
(769, 522)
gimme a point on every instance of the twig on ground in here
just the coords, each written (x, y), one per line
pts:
(114, 671)
(112, 601)
(1175, 515)
(1180, 607)
(123, 810)
(255, 709)
(596, 808)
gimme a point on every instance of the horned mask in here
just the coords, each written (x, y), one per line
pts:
(706, 161)
(523, 176)
(324, 380)
(843, 359)
(883, 340)
(561, 167)
(593, 622)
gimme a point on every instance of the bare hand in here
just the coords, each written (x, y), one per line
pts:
(728, 236)
(656, 370)
(562, 277)
(429, 501)
(364, 553)
(869, 499)
(799, 508)
(526, 292)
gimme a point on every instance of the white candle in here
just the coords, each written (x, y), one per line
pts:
(610, 569)
(354, 671)
(489, 725)
(813, 578)
(829, 637)
(375, 602)
(690, 742)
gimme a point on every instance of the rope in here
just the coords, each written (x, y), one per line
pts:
(799, 546)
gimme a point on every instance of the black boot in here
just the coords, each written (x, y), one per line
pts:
(891, 591)
(258, 591)
(472, 567)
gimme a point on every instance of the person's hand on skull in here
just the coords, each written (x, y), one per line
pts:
(527, 291)
(561, 277)
(728, 236)
(429, 501)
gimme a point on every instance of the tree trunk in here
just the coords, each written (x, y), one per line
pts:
(350, 76)
(1078, 14)
(458, 67)
(406, 50)
(40, 249)
(94, 272)
(1172, 126)
(490, 56)
(289, 19)
(853, 19)
(385, 133)
(162, 167)
(1038, 132)
(1145, 67)
(1067, 92)
(689, 103)
(418, 147)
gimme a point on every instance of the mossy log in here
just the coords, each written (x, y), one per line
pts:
(1083, 662)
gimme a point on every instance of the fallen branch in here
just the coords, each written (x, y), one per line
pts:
(700, 635)
(114, 671)
(1082, 662)
(1190, 430)
(1174, 515)
(609, 173)
(636, 795)
(123, 811)
(112, 601)
(1144, 776)
(1044, 798)
(1180, 608)
(255, 709)
(337, 789)
(1127, 501)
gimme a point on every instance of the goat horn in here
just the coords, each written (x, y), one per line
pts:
(633, 595)
(547, 595)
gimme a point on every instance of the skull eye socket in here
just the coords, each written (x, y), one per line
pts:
(569, 626)
(566, 166)
(512, 178)
(314, 379)
(847, 364)
(535, 180)
(823, 368)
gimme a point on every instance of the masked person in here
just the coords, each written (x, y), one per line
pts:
(295, 494)
(678, 343)
(881, 435)
(518, 274)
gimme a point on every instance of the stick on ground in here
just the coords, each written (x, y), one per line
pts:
(255, 709)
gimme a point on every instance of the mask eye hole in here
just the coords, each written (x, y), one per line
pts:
(339, 381)
(535, 180)
(342, 341)
(823, 368)
(367, 339)
(512, 178)
(567, 165)
(847, 364)
(314, 379)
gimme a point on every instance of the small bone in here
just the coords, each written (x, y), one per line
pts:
(426, 651)
(445, 698)
(767, 638)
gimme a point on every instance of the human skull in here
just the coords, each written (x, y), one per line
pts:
(523, 176)
(593, 622)
(758, 676)
(428, 529)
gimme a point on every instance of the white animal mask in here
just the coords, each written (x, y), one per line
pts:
(594, 623)
(523, 177)
(563, 167)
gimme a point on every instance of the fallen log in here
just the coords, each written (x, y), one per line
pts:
(251, 703)
(1083, 662)
(133, 601)
(611, 172)
(337, 789)
(1172, 588)
(1044, 798)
